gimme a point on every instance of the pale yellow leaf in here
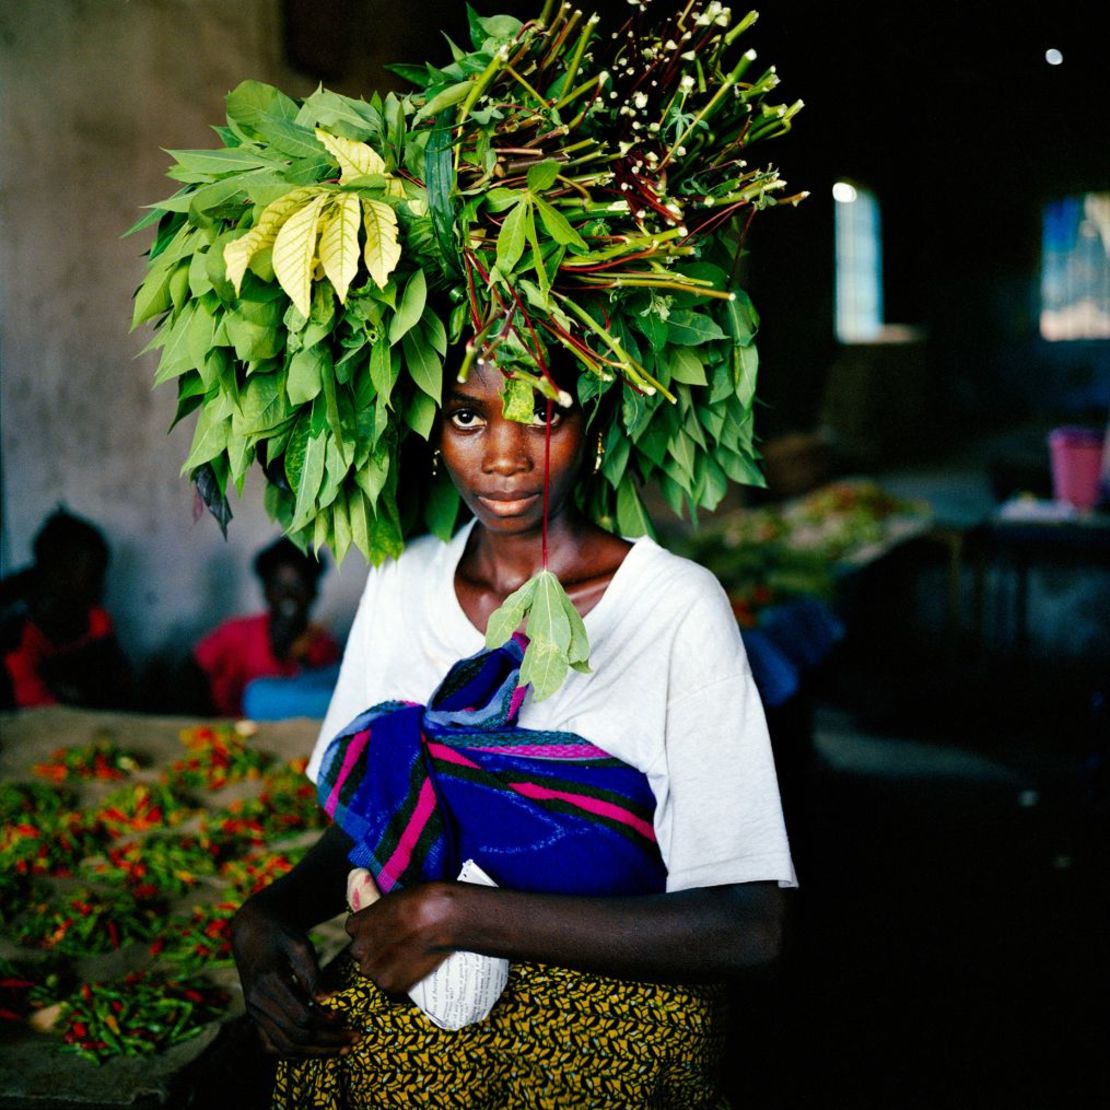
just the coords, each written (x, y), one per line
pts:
(355, 159)
(295, 253)
(239, 252)
(382, 252)
(339, 242)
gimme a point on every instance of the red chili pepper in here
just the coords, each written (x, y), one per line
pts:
(10, 1015)
(80, 1029)
(16, 984)
(193, 996)
(113, 934)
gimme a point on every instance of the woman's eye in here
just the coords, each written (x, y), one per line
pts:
(539, 415)
(464, 418)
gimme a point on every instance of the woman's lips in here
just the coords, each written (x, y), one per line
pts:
(501, 505)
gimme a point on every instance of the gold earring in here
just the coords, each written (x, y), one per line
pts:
(435, 462)
(599, 457)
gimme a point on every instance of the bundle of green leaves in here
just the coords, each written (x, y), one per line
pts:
(551, 195)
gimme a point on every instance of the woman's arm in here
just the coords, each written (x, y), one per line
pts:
(704, 934)
(277, 963)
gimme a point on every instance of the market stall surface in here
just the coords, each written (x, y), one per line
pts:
(192, 785)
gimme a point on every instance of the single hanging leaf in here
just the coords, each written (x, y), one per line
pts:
(295, 254)
(507, 617)
(382, 251)
(544, 668)
(547, 619)
(355, 159)
(339, 243)
(310, 480)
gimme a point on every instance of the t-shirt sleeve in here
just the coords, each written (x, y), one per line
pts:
(352, 690)
(722, 817)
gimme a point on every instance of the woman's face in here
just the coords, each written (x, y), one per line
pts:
(497, 465)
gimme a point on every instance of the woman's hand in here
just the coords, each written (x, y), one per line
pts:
(404, 936)
(281, 984)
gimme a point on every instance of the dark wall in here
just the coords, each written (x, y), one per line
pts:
(950, 112)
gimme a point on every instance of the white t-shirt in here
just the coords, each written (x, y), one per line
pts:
(670, 693)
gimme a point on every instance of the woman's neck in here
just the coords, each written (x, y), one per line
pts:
(502, 562)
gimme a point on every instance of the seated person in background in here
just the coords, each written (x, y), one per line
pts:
(280, 643)
(56, 639)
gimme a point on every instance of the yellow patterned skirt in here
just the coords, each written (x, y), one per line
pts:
(556, 1038)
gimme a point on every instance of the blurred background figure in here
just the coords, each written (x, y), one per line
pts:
(273, 664)
(57, 641)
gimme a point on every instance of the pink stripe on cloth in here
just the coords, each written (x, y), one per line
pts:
(448, 755)
(350, 758)
(395, 866)
(548, 751)
(592, 805)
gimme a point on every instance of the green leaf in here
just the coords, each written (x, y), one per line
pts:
(252, 102)
(507, 617)
(209, 439)
(544, 667)
(152, 298)
(743, 320)
(372, 477)
(382, 251)
(558, 227)
(690, 328)
(304, 382)
(411, 307)
(355, 159)
(238, 253)
(309, 481)
(541, 175)
(339, 242)
(262, 404)
(385, 368)
(686, 366)
(295, 253)
(547, 619)
(511, 237)
(421, 414)
(424, 365)
(442, 507)
(632, 517)
(747, 367)
(518, 400)
(216, 162)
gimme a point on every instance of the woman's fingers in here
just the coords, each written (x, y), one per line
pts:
(293, 1024)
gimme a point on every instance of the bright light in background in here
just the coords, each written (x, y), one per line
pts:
(843, 192)
(1053, 56)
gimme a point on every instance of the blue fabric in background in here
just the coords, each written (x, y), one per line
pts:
(304, 695)
(791, 639)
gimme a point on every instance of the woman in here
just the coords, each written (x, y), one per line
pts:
(670, 695)
(280, 643)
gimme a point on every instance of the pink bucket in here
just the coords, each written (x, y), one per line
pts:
(1076, 455)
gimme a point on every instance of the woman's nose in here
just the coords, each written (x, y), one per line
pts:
(507, 448)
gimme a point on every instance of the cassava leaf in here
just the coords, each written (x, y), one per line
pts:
(507, 617)
(355, 159)
(295, 253)
(339, 242)
(382, 251)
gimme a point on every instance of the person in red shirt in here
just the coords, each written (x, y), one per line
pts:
(279, 643)
(57, 641)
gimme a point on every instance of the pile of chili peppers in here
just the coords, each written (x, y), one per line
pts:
(218, 756)
(99, 759)
(134, 852)
(137, 1016)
